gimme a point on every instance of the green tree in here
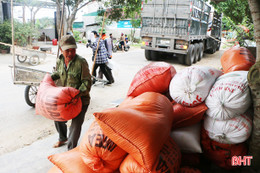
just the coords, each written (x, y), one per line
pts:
(34, 6)
(121, 9)
(237, 15)
(22, 33)
(44, 23)
(70, 11)
(5, 34)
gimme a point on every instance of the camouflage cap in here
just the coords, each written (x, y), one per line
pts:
(67, 42)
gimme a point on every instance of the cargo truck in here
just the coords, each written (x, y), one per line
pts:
(180, 28)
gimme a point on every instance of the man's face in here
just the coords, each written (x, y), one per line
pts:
(69, 54)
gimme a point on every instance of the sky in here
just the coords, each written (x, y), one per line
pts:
(43, 12)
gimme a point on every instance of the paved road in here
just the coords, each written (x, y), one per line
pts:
(20, 127)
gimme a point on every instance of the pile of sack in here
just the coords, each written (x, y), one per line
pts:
(163, 121)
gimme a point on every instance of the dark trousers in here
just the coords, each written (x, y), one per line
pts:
(103, 68)
(109, 70)
(75, 128)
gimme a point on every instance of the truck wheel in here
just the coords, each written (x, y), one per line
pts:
(189, 59)
(30, 94)
(147, 54)
(218, 46)
(154, 55)
(201, 50)
(214, 48)
(197, 52)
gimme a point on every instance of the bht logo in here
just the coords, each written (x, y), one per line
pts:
(238, 160)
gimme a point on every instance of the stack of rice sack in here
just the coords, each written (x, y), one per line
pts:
(133, 137)
(188, 90)
(228, 123)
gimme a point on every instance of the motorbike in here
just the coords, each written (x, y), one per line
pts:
(117, 46)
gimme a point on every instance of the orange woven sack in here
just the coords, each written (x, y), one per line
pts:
(99, 152)
(237, 59)
(54, 169)
(140, 126)
(155, 77)
(55, 102)
(169, 160)
(184, 116)
(70, 162)
(221, 154)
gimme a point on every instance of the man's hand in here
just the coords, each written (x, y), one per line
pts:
(74, 100)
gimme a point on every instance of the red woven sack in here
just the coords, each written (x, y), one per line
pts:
(55, 102)
(99, 152)
(169, 160)
(190, 159)
(140, 126)
(70, 162)
(237, 59)
(221, 154)
(184, 116)
(155, 77)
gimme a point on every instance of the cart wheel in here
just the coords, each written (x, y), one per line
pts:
(30, 94)
(21, 59)
(34, 60)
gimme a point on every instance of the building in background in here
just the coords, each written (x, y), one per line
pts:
(87, 20)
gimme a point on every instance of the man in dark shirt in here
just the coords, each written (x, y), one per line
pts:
(73, 71)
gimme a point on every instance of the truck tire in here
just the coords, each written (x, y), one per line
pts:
(201, 50)
(147, 54)
(214, 48)
(218, 46)
(197, 52)
(189, 59)
(154, 55)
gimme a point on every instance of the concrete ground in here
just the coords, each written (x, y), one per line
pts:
(34, 158)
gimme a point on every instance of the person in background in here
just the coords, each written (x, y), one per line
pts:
(111, 37)
(126, 38)
(109, 47)
(122, 41)
(73, 71)
(101, 57)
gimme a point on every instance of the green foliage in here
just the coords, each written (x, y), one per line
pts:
(5, 34)
(44, 23)
(236, 10)
(121, 9)
(76, 35)
(22, 33)
(236, 13)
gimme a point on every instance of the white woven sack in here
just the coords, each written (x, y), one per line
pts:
(233, 131)
(191, 86)
(188, 138)
(229, 96)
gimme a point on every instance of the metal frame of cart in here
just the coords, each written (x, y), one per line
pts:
(31, 78)
(34, 56)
